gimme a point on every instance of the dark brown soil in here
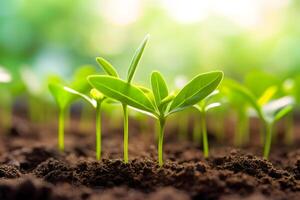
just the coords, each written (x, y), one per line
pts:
(32, 168)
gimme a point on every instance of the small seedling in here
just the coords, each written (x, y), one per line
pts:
(95, 101)
(110, 70)
(64, 98)
(204, 106)
(268, 112)
(158, 102)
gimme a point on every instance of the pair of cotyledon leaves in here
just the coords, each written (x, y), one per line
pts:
(268, 111)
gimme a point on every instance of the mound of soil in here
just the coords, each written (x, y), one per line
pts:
(32, 168)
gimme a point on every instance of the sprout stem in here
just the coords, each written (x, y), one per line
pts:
(98, 131)
(125, 145)
(204, 134)
(268, 140)
(61, 129)
(161, 141)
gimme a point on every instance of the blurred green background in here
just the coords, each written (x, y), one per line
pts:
(187, 36)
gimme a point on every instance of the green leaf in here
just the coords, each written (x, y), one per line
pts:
(159, 87)
(283, 112)
(246, 94)
(93, 102)
(107, 67)
(122, 91)
(136, 59)
(196, 90)
(61, 96)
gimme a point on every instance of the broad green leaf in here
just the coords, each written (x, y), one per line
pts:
(159, 87)
(267, 95)
(61, 96)
(283, 112)
(107, 67)
(93, 102)
(196, 90)
(243, 92)
(136, 59)
(122, 91)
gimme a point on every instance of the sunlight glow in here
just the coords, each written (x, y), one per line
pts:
(5, 77)
(120, 12)
(245, 13)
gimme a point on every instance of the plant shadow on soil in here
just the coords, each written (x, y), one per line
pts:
(32, 168)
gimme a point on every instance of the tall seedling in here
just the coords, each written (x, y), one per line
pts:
(158, 102)
(268, 111)
(96, 100)
(204, 106)
(109, 69)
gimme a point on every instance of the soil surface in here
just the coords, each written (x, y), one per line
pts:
(32, 167)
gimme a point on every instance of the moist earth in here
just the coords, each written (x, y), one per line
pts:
(32, 168)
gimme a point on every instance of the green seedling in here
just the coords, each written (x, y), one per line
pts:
(110, 70)
(158, 102)
(204, 106)
(96, 100)
(268, 111)
(64, 98)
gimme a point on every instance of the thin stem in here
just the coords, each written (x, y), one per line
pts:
(204, 134)
(268, 140)
(98, 131)
(125, 145)
(161, 141)
(61, 129)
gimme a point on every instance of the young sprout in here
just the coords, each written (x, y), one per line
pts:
(158, 102)
(268, 112)
(95, 101)
(110, 70)
(64, 98)
(204, 106)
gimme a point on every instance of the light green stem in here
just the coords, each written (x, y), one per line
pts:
(161, 141)
(268, 140)
(125, 145)
(204, 134)
(98, 131)
(61, 129)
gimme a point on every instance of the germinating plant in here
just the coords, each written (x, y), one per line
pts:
(110, 70)
(158, 103)
(203, 106)
(268, 111)
(64, 98)
(96, 100)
